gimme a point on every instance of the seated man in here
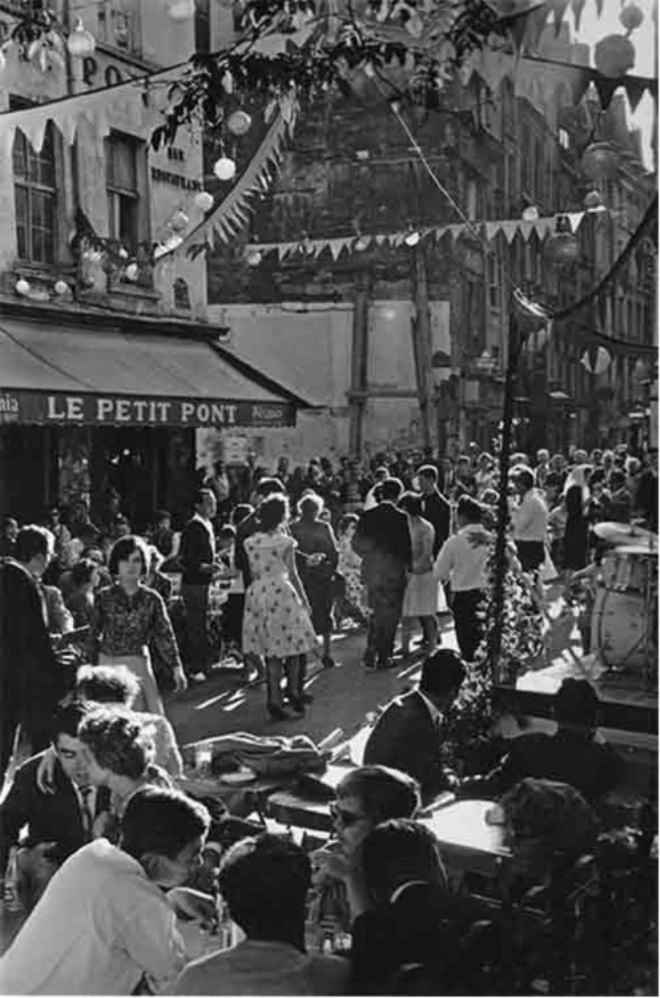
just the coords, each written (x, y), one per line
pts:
(366, 796)
(58, 822)
(106, 921)
(572, 755)
(264, 881)
(408, 734)
(406, 880)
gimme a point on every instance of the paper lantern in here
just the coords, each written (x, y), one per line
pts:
(60, 288)
(80, 42)
(530, 214)
(239, 122)
(204, 201)
(614, 56)
(224, 168)
(596, 359)
(600, 161)
(180, 10)
(254, 258)
(179, 221)
(631, 16)
(131, 272)
(412, 238)
(22, 286)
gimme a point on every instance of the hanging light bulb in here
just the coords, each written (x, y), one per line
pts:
(224, 168)
(530, 213)
(180, 10)
(204, 201)
(179, 221)
(254, 258)
(239, 122)
(80, 42)
(60, 288)
(22, 287)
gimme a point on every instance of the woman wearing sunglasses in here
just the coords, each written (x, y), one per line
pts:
(366, 796)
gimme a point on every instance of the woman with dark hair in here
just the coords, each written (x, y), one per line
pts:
(577, 497)
(316, 561)
(80, 597)
(276, 621)
(128, 618)
(421, 595)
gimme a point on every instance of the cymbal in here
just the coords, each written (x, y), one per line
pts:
(624, 533)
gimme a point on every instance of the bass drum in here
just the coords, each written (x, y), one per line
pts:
(621, 632)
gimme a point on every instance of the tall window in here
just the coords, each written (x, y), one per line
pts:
(35, 198)
(202, 26)
(119, 24)
(122, 169)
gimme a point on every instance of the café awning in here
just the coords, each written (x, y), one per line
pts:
(109, 376)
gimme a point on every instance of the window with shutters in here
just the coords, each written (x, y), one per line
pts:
(35, 198)
(125, 160)
(118, 24)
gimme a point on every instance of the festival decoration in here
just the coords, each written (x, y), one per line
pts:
(22, 286)
(224, 168)
(239, 122)
(614, 56)
(60, 288)
(204, 201)
(631, 16)
(596, 359)
(131, 272)
(80, 43)
(179, 221)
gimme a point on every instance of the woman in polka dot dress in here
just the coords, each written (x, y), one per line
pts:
(277, 619)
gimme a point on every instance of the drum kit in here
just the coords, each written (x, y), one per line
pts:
(624, 621)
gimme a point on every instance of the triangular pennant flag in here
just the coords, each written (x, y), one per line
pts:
(575, 219)
(559, 7)
(605, 88)
(577, 7)
(536, 21)
(492, 228)
(285, 249)
(317, 247)
(543, 227)
(578, 79)
(599, 7)
(397, 238)
(439, 233)
(335, 246)
(380, 239)
(509, 228)
(517, 31)
(526, 229)
(634, 87)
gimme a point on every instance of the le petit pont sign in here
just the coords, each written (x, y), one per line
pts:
(128, 410)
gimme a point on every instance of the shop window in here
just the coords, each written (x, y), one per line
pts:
(118, 24)
(125, 179)
(202, 26)
(35, 198)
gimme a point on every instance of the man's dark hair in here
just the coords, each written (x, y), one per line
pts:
(469, 509)
(82, 571)
(107, 684)
(162, 514)
(199, 496)
(411, 503)
(67, 718)
(31, 541)
(398, 851)
(429, 471)
(576, 703)
(391, 489)
(273, 511)
(443, 673)
(525, 477)
(122, 551)
(268, 487)
(161, 821)
(383, 792)
(264, 880)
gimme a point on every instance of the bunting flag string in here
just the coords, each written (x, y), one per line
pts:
(509, 228)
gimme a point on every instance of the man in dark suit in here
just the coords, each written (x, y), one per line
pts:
(435, 507)
(58, 820)
(408, 734)
(32, 677)
(197, 557)
(382, 540)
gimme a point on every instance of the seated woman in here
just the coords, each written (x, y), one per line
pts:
(366, 796)
(119, 752)
(118, 685)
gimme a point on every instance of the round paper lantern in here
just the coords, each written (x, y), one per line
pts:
(224, 168)
(600, 161)
(596, 359)
(254, 258)
(131, 272)
(631, 16)
(60, 288)
(204, 201)
(239, 122)
(180, 10)
(80, 42)
(530, 214)
(614, 56)
(179, 221)
(562, 249)
(22, 286)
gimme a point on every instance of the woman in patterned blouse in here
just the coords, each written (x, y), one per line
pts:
(129, 618)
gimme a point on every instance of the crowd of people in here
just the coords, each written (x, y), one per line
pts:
(105, 851)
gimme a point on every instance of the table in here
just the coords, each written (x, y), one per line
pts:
(466, 841)
(290, 807)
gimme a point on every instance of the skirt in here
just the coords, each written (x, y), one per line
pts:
(148, 699)
(421, 596)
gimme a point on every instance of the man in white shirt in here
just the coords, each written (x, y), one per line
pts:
(462, 562)
(105, 921)
(530, 521)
